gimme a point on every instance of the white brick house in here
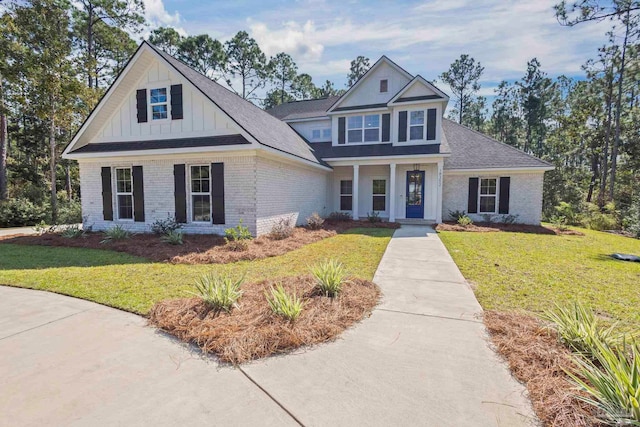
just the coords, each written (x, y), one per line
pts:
(166, 141)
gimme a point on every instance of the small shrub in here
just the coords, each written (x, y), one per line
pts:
(456, 215)
(21, 212)
(579, 329)
(164, 226)
(72, 232)
(69, 212)
(283, 304)
(239, 232)
(509, 219)
(173, 237)
(282, 229)
(465, 221)
(374, 217)
(601, 219)
(219, 292)
(315, 221)
(339, 217)
(330, 276)
(571, 214)
(559, 222)
(117, 232)
(612, 382)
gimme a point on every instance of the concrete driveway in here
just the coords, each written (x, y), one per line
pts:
(421, 359)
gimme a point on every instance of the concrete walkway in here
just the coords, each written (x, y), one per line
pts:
(421, 359)
(16, 230)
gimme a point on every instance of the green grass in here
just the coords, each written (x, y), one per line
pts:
(535, 271)
(135, 284)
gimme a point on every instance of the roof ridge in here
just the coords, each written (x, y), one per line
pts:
(495, 140)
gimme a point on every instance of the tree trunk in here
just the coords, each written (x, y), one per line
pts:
(52, 167)
(4, 146)
(90, 45)
(67, 172)
(607, 141)
(616, 141)
(594, 176)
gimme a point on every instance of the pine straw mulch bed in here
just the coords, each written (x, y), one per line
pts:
(488, 227)
(251, 331)
(536, 358)
(197, 248)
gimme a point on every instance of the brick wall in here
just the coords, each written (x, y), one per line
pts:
(525, 196)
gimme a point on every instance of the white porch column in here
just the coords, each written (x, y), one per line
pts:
(392, 192)
(439, 192)
(354, 196)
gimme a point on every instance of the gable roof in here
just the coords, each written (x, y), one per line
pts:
(473, 150)
(258, 124)
(305, 109)
(383, 60)
(397, 98)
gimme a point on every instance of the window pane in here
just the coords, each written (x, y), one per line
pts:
(204, 185)
(355, 136)
(488, 186)
(158, 95)
(204, 172)
(354, 122)
(315, 134)
(159, 112)
(417, 118)
(487, 204)
(125, 207)
(416, 132)
(379, 203)
(371, 135)
(326, 133)
(123, 180)
(379, 186)
(346, 187)
(201, 208)
(372, 121)
(346, 203)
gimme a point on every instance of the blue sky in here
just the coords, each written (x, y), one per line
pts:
(424, 37)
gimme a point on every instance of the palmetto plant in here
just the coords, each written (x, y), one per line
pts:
(72, 232)
(330, 276)
(172, 237)
(283, 304)
(219, 292)
(117, 232)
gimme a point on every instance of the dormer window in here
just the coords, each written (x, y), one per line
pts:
(384, 85)
(158, 103)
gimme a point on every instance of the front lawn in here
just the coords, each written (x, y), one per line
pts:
(135, 284)
(534, 271)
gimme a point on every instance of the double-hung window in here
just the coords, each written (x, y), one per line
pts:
(416, 125)
(124, 193)
(379, 194)
(158, 102)
(363, 128)
(200, 194)
(346, 195)
(488, 195)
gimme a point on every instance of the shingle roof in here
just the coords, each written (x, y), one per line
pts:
(205, 141)
(303, 109)
(325, 150)
(473, 150)
(265, 128)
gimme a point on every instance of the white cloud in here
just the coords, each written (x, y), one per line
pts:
(157, 14)
(293, 38)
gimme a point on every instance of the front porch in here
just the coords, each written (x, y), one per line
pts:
(398, 190)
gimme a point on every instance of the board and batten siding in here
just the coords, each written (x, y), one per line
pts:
(368, 91)
(200, 116)
(286, 190)
(525, 195)
(159, 202)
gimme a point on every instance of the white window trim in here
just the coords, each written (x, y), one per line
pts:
(150, 105)
(191, 194)
(344, 194)
(129, 193)
(424, 125)
(386, 192)
(363, 128)
(495, 211)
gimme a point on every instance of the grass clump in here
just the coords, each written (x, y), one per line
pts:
(330, 276)
(219, 292)
(173, 237)
(72, 232)
(579, 329)
(283, 304)
(117, 232)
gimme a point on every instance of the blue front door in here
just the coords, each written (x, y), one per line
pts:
(415, 194)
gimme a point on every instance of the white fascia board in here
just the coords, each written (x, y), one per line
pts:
(354, 111)
(385, 160)
(173, 152)
(308, 119)
(539, 169)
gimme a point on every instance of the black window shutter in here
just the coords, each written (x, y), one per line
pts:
(138, 194)
(402, 126)
(386, 127)
(217, 193)
(431, 124)
(505, 184)
(180, 193)
(176, 102)
(473, 196)
(141, 105)
(341, 129)
(107, 195)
